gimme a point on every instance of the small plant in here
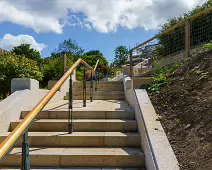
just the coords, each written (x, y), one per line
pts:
(197, 71)
(208, 46)
(164, 105)
(145, 86)
(158, 81)
(186, 59)
(177, 121)
(173, 68)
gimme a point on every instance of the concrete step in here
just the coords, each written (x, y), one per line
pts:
(80, 168)
(78, 157)
(99, 93)
(99, 88)
(99, 97)
(54, 114)
(81, 125)
(100, 82)
(80, 139)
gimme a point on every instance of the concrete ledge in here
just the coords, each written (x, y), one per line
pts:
(128, 90)
(157, 149)
(18, 84)
(11, 107)
(127, 82)
(25, 95)
(137, 82)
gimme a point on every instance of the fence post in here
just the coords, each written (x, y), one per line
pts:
(131, 64)
(187, 38)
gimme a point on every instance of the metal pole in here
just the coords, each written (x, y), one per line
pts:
(91, 89)
(96, 78)
(131, 64)
(25, 152)
(70, 109)
(84, 88)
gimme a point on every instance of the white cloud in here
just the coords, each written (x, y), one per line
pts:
(9, 41)
(102, 15)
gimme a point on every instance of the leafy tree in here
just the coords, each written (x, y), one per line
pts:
(94, 53)
(121, 54)
(92, 56)
(12, 66)
(53, 65)
(28, 52)
(53, 68)
(69, 47)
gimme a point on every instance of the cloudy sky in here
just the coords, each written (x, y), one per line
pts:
(94, 24)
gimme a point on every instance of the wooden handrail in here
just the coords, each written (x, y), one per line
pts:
(8, 143)
(97, 62)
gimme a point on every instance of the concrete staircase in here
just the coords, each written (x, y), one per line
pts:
(105, 91)
(105, 136)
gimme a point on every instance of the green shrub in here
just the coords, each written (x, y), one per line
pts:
(12, 66)
(208, 46)
(161, 77)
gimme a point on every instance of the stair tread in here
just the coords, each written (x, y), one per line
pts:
(84, 134)
(103, 91)
(96, 105)
(102, 82)
(125, 151)
(89, 168)
(83, 120)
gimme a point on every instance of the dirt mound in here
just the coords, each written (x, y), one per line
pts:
(185, 107)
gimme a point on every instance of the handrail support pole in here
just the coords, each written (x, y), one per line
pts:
(70, 111)
(97, 77)
(91, 89)
(25, 152)
(84, 88)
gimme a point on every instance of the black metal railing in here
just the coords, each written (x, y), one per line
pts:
(71, 98)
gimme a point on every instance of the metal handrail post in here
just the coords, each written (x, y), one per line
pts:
(91, 88)
(25, 152)
(84, 88)
(70, 109)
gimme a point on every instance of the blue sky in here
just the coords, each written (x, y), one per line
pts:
(87, 39)
(94, 24)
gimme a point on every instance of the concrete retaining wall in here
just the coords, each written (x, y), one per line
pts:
(11, 107)
(157, 149)
(25, 96)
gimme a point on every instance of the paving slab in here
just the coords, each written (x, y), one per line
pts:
(96, 105)
(76, 157)
(90, 168)
(80, 139)
(83, 125)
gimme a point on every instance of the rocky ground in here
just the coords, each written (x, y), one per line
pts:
(185, 107)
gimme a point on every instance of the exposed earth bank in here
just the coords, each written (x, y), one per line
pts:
(185, 107)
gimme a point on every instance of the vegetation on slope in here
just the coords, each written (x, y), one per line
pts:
(185, 108)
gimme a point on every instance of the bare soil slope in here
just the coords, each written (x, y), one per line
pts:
(185, 107)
